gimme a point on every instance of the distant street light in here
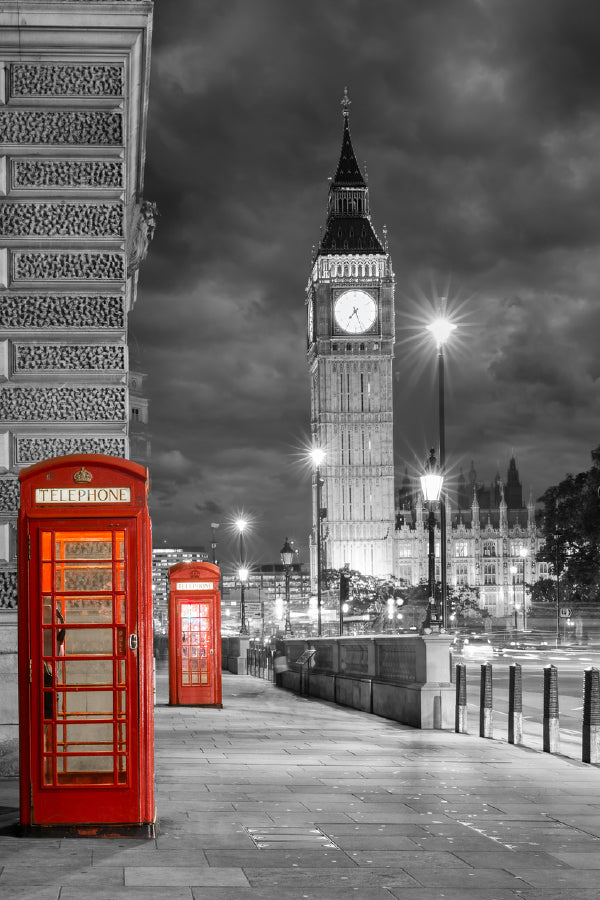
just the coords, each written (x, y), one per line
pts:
(287, 558)
(431, 485)
(441, 329)
(318, 457)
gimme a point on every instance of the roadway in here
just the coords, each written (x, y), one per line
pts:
(570, 662)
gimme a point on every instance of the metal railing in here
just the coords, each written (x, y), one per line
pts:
(259, 662)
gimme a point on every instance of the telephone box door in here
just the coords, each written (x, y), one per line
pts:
(195, 672)
(84, 671)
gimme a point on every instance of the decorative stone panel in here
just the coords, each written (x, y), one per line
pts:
(9, 495)
(32, 126)
(45, 174)
(31, 266)
(396, 662)
(64, 404)
(30, 450)
(57, 220)
(33, 357)
(354, 658)
(55, 80)
(61, 311)
(8, 590)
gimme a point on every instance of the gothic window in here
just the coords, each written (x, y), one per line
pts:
(405, 572)
(489, 548)
(515, 548)
(461, 548)
(405, 550)
(489, 573)
(462, 573)
(544, 570)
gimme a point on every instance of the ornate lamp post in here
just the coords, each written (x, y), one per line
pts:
(243, 576)
(523, 554)
(287, 558)
(513, 572)
(318, 456)
(441, 329)
(431, 485)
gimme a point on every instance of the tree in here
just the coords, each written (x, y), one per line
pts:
(571, 523)
(464, 601)
(367, 594)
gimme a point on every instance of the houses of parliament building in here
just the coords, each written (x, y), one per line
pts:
(491, 538)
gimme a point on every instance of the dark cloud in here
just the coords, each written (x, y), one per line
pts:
(479, 123)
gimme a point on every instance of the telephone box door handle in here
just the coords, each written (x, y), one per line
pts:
(133, 642)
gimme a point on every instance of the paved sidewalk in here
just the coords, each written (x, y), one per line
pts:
(278, 797)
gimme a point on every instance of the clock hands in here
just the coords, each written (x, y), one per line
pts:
(355, 313)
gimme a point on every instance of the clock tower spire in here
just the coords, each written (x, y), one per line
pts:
(350, 309)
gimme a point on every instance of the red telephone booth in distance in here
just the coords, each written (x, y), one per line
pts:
(194, 635)
(86, 726)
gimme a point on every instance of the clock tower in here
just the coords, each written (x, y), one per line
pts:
(350, 319)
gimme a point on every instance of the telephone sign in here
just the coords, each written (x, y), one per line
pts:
(565, 612)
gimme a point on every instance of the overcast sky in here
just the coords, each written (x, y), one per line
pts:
(479, 124)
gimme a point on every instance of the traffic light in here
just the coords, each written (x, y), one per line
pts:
(344, 588)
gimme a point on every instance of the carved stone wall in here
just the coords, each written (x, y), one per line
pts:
(74, 82)
(31, 357)
(9, 494)
(68, 266)
(8, 590)
(30, 450)
(61, 311)
(63, 404)
(54, 220)
(66, 173)
(32, 126)
(33, 80)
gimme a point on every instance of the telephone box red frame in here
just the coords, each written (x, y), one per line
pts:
(86, 713)
(195, 635)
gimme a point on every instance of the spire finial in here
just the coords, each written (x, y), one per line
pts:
(345, 104)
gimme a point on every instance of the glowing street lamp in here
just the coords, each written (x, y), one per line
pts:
(241, 525)
(431, 485)
(318, 457)
(287, 558)
(441, 329)
(513, 572)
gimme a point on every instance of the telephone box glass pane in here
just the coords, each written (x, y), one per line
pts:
(83, 625)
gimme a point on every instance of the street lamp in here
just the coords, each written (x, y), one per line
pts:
(523, 554)
(287, 558)
(318, 456)
(243, 573)
(431, 485)
(441, 329)
(513, 572)
(213, 543)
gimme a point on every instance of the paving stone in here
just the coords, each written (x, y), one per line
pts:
(152, 876)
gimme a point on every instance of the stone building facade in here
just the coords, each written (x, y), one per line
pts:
(74, 227)
(492, 539)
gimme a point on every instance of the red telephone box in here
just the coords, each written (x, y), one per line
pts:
(194, 635)
(86, 726)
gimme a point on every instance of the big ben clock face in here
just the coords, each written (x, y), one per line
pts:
(355, 311)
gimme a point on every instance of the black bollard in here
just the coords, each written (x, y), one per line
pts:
(460, 725)
(551, 731)
(590, 750)
(515, 704)
(485, 706)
